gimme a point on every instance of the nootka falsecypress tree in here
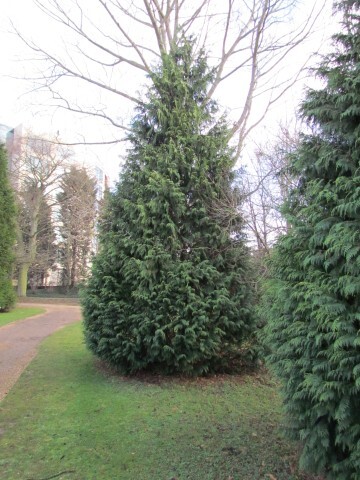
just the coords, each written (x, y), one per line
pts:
(7, 235)
(169, 289)
(314, 298)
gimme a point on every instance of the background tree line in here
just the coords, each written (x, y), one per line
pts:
(57, 208)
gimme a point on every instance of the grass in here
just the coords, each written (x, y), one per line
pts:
(19, 313)
(67, 414)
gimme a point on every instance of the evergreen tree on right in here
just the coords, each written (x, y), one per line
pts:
(313, 300)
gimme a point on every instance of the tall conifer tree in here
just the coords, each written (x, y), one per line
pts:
(7, 235)
(314, 300)
(170, 286)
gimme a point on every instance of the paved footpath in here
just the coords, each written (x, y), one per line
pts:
(19, 340)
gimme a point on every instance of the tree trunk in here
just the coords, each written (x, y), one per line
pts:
(22, 279)
(73, 272)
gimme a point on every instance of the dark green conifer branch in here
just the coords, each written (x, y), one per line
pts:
(313, 301)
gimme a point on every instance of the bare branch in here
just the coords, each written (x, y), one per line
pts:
(131, 42)
(156, 26)
(126, 12)
(69, 23)
(246, 39)
(267, 185)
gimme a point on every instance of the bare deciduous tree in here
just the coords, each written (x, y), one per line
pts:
(37, 166)
(77, 216)
(267, 185)
(109, 42)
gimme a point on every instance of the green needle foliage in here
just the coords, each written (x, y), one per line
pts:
(7, 235)
(314, 300)
(170, 288)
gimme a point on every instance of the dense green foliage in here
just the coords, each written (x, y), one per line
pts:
(170, 287)
(7, 235)
(314, 299)
(77, 213)
(64, 414)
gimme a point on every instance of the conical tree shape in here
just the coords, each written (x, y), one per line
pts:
(7, 235)
(170, 288)
(314, 300)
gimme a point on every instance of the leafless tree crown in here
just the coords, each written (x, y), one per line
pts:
(110, 42)
(267, 186)
(36, 167)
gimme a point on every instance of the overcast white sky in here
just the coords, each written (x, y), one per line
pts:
(17, 107)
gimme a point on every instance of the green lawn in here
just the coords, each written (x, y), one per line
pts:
(65, 415)
(19, 313)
